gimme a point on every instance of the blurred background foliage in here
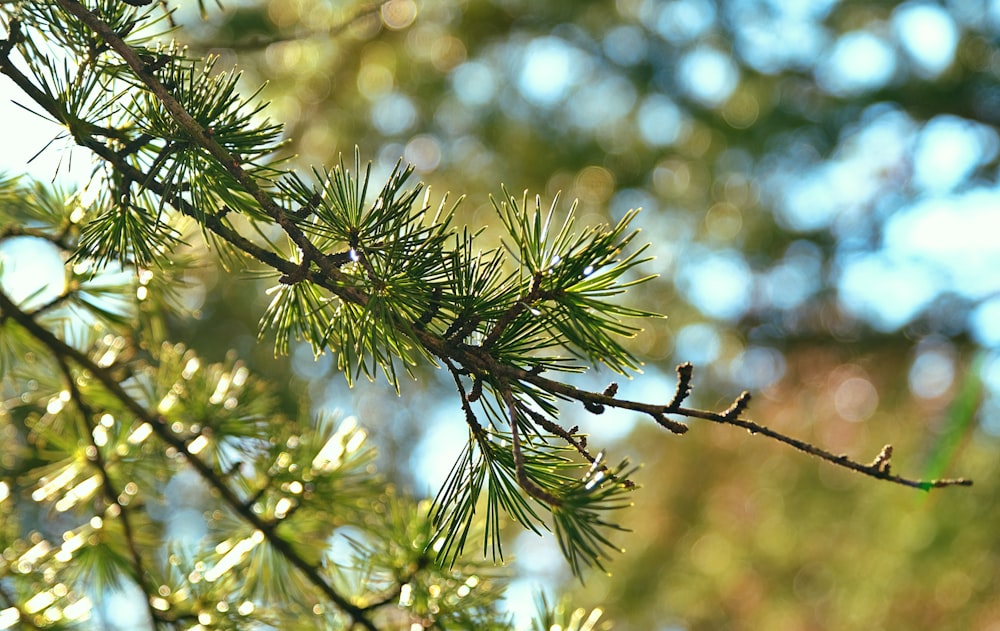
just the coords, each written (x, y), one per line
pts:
(819, 184)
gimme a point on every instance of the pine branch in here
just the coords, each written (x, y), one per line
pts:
(201, 136)
(526, 482)
(730, 416)
(560, 274)
(213, 478)
(111, 494)
(879, 468)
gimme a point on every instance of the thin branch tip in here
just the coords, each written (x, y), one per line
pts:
(684, 373)
(882, 462)
(738, 406)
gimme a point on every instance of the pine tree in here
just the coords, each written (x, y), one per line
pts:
(103, 410)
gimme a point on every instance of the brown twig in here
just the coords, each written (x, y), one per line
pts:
(684, 373)
(739, 405)
(520, 471)
(874, 470)
(882, 460)
(470, 416)
(727, 417)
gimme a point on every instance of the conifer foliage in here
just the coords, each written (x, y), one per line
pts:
(102, 413)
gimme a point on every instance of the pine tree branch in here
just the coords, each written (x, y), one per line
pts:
(480, 361)
(520, 471)
(111, 494)
(476, 359)
(215, 223)
(470, 416)
(732, 416)
(214, 479)
(204, 139)
(879, 468)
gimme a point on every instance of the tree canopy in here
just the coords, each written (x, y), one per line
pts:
(815, 212)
